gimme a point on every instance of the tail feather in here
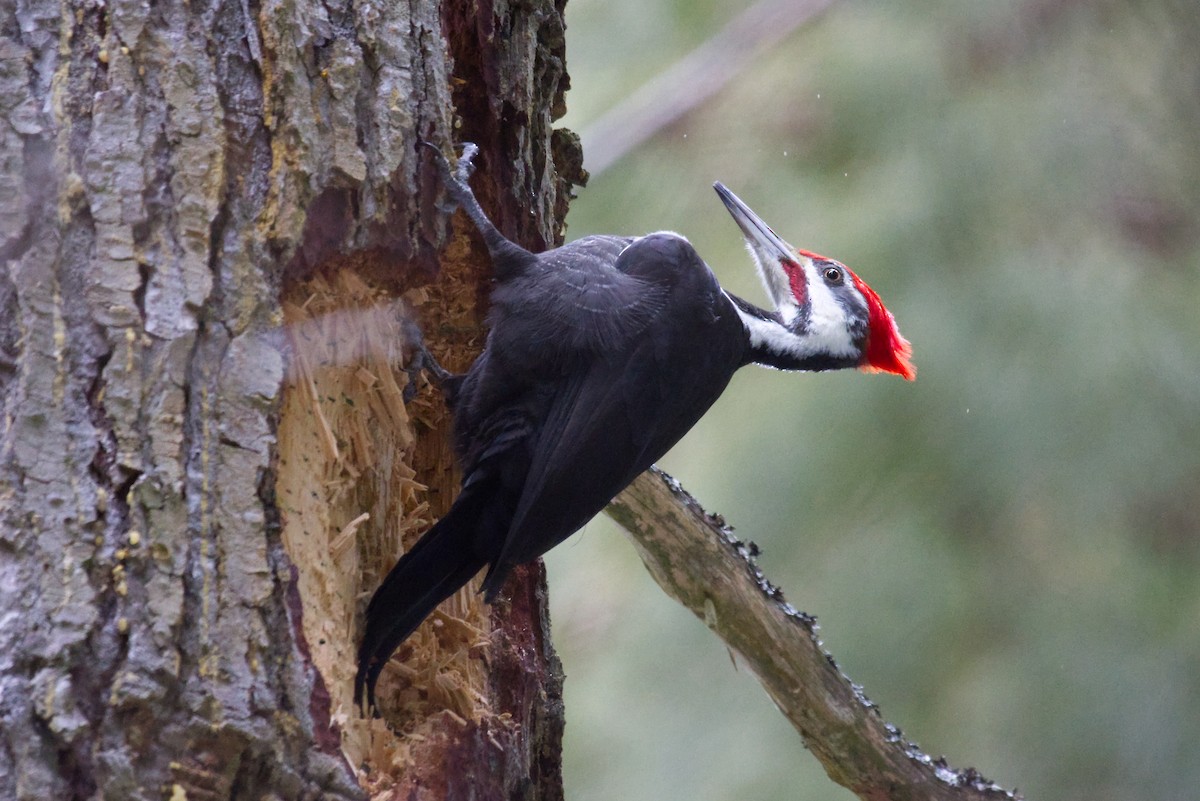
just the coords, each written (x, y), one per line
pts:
(437, 567)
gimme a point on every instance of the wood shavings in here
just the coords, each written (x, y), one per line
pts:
(345, 537)
(356, 487)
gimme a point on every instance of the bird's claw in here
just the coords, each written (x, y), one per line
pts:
(421, 360)
(456, 178)
(466, 166)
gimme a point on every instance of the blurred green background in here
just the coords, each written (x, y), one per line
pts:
(1004, 553)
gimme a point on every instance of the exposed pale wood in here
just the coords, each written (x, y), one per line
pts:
(174, 178)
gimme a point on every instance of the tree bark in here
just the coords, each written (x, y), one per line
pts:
(695, 559)
(195, 499)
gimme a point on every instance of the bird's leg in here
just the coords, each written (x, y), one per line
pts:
(421, 360)
(465, 166)
(506, 256)
(456, 178)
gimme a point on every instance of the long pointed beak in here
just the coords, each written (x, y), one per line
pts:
(758, 234)
(768, 249)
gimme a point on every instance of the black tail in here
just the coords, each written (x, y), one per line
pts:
(439, 564)
(508, 258)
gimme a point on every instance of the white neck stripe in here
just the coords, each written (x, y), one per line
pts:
(826, 338)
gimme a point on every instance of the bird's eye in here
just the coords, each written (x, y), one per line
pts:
(833, 276)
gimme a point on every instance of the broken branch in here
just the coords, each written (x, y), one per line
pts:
(696, 560)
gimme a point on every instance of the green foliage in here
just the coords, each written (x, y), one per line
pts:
(1004, 553)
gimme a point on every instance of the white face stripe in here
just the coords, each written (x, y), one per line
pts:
(826, 317)
(771, 335)
(828, 333)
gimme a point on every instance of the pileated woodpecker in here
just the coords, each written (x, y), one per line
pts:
(601, 355)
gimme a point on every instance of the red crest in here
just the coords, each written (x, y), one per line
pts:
(887, 350)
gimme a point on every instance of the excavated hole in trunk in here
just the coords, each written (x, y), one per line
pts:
(361, 476)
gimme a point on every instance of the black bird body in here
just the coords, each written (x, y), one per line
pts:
(601, 355)
(580, 387)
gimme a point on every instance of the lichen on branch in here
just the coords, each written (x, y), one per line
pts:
(696, 560)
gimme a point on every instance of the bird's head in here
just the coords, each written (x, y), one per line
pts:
(827, 315)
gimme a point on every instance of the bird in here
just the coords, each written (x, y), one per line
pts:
(601, 354)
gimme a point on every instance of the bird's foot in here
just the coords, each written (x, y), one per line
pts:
(507, 256)
(465, 166)
(456, 178)
(421, 360)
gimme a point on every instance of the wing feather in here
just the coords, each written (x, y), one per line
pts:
(575, 299)
(616, 414)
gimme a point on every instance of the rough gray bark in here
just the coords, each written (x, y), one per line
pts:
(170, 173)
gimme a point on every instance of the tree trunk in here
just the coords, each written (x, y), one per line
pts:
(208, 214)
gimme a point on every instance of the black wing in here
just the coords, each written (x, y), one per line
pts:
(622, 409)
(577, 298)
